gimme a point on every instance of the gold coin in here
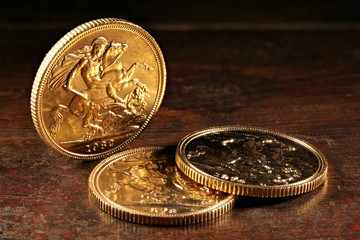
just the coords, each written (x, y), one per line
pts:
(144, 186)
(251, 161)
(97, 88)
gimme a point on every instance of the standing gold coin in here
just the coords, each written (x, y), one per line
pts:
(251, 161)
(144, 186)
(97, 88)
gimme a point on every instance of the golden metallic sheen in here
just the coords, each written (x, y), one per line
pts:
(251, 161)
(144, 186)
(97, 88)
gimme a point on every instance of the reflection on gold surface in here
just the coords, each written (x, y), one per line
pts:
(251, 161)
(154, 184)
(252, 158)
(98, 88)
(127, 227)
(147, 183)
(102, 106)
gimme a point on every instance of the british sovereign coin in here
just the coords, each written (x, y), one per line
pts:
(251, 161)
(97, 88)
(144, 186)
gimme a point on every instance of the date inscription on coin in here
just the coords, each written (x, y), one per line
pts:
(150, 182)
(98, 88)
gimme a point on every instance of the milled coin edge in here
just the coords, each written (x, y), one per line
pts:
(40, 83)
(147, 218)
(205, 179)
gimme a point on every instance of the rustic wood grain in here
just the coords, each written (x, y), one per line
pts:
(302, 81)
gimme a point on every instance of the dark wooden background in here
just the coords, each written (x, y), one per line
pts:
(291, 66)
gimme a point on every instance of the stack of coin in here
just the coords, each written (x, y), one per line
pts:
(251, 161)
(144, 185)
(98, 88)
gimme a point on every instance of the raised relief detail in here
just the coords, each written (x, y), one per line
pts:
(154, 184)
(112, 101)
(251, 159)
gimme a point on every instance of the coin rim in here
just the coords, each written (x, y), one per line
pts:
(59, 48)
(136, 216)
(287, 190)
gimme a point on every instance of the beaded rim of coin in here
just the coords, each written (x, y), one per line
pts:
(147, 218)
(50, 60)
(213, 182)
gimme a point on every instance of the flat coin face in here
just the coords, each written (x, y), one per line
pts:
(251, 161)
(144, 186)
(97, 88)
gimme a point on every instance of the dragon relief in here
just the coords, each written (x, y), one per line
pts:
(154, 181)
(250, 159)
(100, 106)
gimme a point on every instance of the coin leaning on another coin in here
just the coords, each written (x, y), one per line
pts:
(98, 88)
(251, 161)
(143, 185)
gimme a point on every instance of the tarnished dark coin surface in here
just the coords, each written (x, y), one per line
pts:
(144, 186)
(251, 161)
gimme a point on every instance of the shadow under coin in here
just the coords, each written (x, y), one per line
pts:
(299, 204)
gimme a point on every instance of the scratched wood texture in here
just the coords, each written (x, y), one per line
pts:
(293, 67)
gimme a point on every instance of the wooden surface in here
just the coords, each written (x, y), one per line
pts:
(290, 67)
